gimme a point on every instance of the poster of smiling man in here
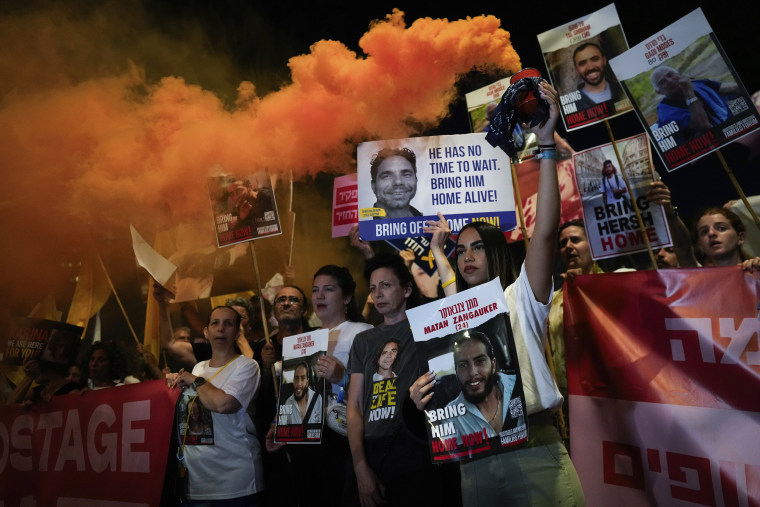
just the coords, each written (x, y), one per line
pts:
(577, 56)
(685, 91)
(612, 227)
(404, 182)
(478, 404)
(301, 401)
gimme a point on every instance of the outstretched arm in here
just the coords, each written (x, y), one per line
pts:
(539, 258)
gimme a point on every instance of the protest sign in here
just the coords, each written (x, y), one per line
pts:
(345, 207)
(462, 176)
(301, 402)
(576, 55)
(685, 91)
(244, 207)
(108, 447)
(663, 375)
(42, 340)
(612, 228)
(478, 406)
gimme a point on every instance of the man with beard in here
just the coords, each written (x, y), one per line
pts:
(302, 405)
(591, 65)
(394, 182)
(486, 393)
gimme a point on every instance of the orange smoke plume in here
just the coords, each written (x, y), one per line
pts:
(85, 156)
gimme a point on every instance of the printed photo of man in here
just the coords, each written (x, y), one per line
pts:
(590, 63)
(393, 174)
(301, 405)
(385, 361)
(486, 392)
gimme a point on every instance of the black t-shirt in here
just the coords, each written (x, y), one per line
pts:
(383, 399)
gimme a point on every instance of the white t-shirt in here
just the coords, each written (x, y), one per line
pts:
(231, 467)
(530, 321)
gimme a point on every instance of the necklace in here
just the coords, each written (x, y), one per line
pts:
(498, 406)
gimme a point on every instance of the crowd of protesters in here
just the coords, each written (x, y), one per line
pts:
(228, 358)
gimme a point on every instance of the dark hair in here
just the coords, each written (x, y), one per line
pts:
(571, 223)
(308, 370)
(238, 318)
(347, 286)
(379, 352)
(241, 301)
(396, 264)
(496, 250)
(381, 155)
(584, 46)
(476, 335)
(733, 219)
(117, 361)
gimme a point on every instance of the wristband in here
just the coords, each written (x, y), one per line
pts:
(548, 146)
(691, 101)
(446, 284)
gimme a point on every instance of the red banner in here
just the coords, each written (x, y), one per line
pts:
(664, 383)
(108, 447)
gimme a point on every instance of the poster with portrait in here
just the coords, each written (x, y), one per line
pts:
(195, 423)
(577, 57)
(480, 104)
(478, 406)
(301, 402)
(404, 182)
(244, 207)
(611, 224)
(345, 207)
(685, 91)
(47, 341)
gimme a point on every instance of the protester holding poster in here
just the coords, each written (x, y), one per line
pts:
(481, 256)
(386, 451)
(685, 91)
(576, 55)
(230, 467)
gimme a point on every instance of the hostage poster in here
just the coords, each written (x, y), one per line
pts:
(42, 340)
(478, 405)
(302, 392)
(685, 91)
(404, 182)
(481, 104)
(611, 224)
(577, 56)
(244, 207)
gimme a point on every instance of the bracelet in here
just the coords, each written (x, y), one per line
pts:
(546, 154)
(446, 284)
(673, 213)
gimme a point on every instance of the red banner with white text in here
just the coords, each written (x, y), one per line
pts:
(107, 447)
(664, 386)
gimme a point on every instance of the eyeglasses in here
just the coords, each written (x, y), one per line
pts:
(293, 300)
